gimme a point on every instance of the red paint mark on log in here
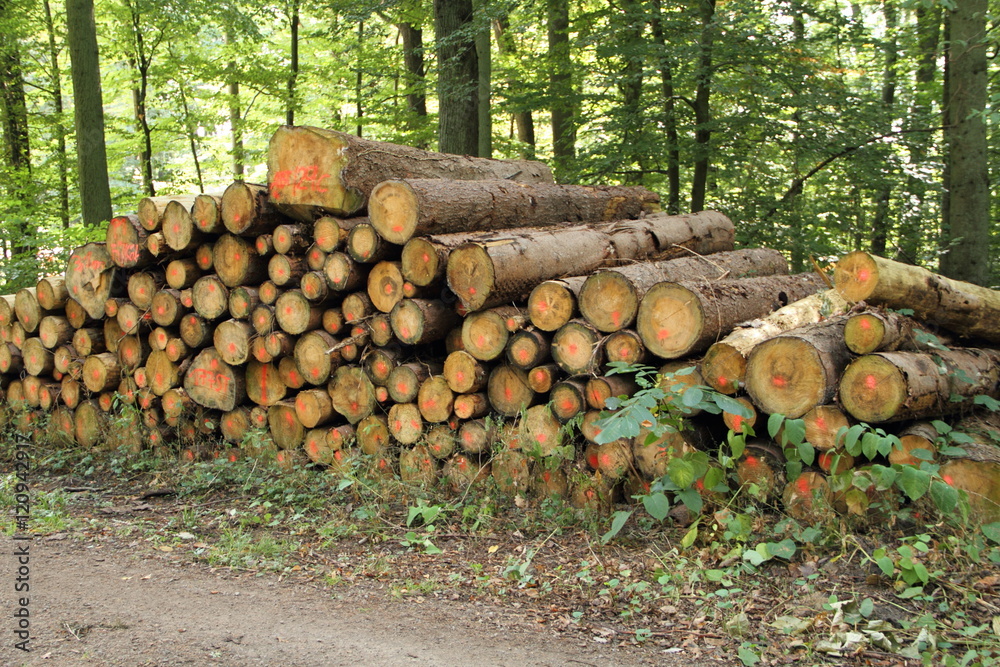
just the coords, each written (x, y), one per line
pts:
(802, 484)
(779, 381)
(871, 382)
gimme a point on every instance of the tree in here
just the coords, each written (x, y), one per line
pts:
(88, 111)
(562, 100)
(967, 230)
(458, 77)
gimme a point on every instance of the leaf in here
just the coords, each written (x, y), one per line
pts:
(886, 565)
(692, 397)
(913, 482)
(992, 531)
(867, 607)
(989, 403)
(691, 499)
(795, 431)
(681, 473)
(807, 453)
(690, 536)
(737, 444)
(617, 523)
(732, 406)
(657, 504)
(851, 439)
(869, 445)
(945, 496)
(748, 657)
(784, 549)
(753, 557)
(774, 424)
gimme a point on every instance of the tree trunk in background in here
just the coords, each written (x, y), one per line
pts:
(484, 62)
(88, 110)
(928, 38)
(968, 219)
(293, 74)
(563, 104)
(58, 126)
(235, 114)
(458, 76)
(881, 225)
(140, 61)
(415, 84)
(796, 239)
(630, 85)
(16, 142)
(702, 107)
(673, 202)
(523, 121)
(358, 81)
(190, 128)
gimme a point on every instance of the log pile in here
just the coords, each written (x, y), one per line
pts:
(454, 318)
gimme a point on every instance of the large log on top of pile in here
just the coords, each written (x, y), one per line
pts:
(313, 171)
(402, 209)
(509, 265)
(962, 307)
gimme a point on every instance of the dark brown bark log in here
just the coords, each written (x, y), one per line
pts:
(677, 319)
(402, 209)
(312, 170)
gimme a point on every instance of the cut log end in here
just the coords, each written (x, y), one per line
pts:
(392, 208)
(872, 389)
(856, 276)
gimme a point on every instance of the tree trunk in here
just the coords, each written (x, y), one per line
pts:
(88, 110)
(893, 386)
(312, 170)
(962, 307)
(435, 399)
(702, 105)
(264, 384)
(563, 107)
(666, 68)
(724, 364)
(968, 218)
(577, 348)
(402, 209)
(677, 319)
(352, 393)
(795, 371)
(247, 211)
(458, 74)
(610, 298)
(528, 348)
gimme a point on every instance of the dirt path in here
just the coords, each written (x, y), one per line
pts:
(99, 605)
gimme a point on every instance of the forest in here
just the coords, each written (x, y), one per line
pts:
(817, 126)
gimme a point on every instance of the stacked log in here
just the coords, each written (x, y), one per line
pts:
(365, 296)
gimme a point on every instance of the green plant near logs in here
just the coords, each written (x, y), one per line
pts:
(660, 406)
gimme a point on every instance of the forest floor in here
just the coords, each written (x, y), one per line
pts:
(216, 564)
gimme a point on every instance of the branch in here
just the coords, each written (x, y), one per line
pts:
(798, 183)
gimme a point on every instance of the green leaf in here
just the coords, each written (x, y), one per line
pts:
(681, 473)
(617, 523)
(851, 439)
(795, 431)
(691, 499)
(754, 557)
(732, 406)
(921, 571)
(774, 424)
(869, 445)
(945, 496)
(657, 504)
(867, 607)
(784, 549)
(748, 657)
(913, 482)
(989, 403)
(886, 565)
(690, 536)
(992, 531)
(807, 453)
(737, 444)
(692, 397)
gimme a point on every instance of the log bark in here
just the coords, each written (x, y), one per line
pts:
(314, 171)
(794, 372)
(151, 209)
(678, 319)
(364, 245)
(421, 321)
(966, 309)
(54, 331)
(236, 261)
(212, 383)
(126, 242)
(402, 209)
(246, 210)
(724, 365)
(893, 386)
(609, 299)
(90, 277)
